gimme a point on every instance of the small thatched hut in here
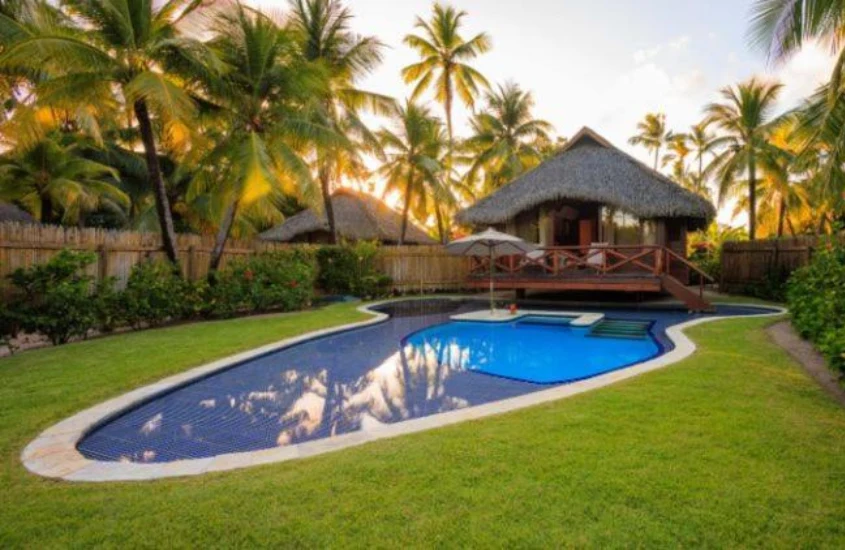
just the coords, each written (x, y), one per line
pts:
(359, 217)
(593, 192)
(11, 213)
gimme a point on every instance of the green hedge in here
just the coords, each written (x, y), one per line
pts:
(351, 269)
(816, 297)
(58, 300)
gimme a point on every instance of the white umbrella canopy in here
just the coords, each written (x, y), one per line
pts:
(492, 244)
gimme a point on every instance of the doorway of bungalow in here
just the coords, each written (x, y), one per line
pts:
(574, 225)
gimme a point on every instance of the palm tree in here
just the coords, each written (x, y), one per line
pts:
(412, 167)
(653, 134)
(782, 28)
(702, 143)
(445, 56)
(505, 138)
(265, 107)
(55, 184)
(135, 47)
(744, 117)
(322, 29)
(678, 151)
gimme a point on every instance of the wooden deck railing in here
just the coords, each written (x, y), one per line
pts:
(595, 261)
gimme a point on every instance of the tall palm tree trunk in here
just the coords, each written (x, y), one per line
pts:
(700, 170)
(325, 189)
(165, 216)
(222, 237)
(656, 157)
(406, 209)
(46, 208)
(781, 216)
(441, 229)
(752, 197)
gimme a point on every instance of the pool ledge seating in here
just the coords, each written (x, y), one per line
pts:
(580, 319)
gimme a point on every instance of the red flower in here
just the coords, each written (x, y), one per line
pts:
(249, 275)
(293, 284)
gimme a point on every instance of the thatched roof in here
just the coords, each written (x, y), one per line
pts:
(359, 217)
(591, 169)
(11, 213)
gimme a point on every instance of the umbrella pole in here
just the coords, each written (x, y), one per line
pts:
(492, 309)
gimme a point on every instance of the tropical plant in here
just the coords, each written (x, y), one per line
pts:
(412, 166)
(322, 29)
(745, 119)
(505, 138)
(678, 149)
(779, 197)
(445, 55)
(652, 134)
(783, 27)
(702, 143)
(136, 48)
(55, 184)
(264, 104)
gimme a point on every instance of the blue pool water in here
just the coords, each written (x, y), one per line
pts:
(542, 350)
(414, 364)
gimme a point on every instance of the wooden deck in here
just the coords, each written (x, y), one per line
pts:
(639, 268)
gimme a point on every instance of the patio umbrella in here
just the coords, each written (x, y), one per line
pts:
(492, 244)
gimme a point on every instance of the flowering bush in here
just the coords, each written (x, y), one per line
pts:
(276, 281)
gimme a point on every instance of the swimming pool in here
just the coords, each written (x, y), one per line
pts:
(537, 349)
(415, 364)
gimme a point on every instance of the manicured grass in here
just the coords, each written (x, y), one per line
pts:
(733, 447)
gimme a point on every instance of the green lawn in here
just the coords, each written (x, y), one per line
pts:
(732, 447)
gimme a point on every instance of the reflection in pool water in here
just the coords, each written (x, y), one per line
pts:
(320, 388)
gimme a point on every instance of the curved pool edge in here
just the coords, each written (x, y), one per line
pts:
(53, 454)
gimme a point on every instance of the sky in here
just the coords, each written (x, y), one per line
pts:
(603, 63)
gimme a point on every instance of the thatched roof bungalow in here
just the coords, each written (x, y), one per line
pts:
(592, 192)
(359, 217)
(11, 213)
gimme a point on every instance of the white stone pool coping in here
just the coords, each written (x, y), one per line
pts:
(580, 318)
(53, 454)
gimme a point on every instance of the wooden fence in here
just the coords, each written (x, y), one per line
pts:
(752, 263)
(423, 268)
(411, 268)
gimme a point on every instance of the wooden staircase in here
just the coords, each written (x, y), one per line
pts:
(694, 301)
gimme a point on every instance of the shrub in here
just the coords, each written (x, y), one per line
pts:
(54, 298)
(155, 293)
(108, 306)
(274, 281)
(816, 296)
(351, 269)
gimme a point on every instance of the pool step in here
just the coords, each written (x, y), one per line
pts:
(636, 330)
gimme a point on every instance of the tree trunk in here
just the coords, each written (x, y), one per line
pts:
(165, 216)
(222, 237)
(406, 209)
(441, 230)
(781, 216)
(656, 157)
(325, 189)
(752, 197)
(46, 208)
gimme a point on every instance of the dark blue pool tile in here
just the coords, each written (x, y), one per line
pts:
(318, 389)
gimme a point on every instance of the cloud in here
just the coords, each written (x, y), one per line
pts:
(802, 74)
(675, 45)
